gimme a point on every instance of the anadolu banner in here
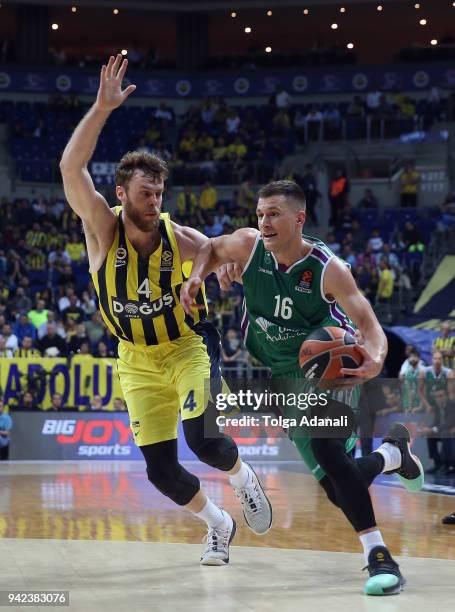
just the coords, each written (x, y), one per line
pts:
(77, 381)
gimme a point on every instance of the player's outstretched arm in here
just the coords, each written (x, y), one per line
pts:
(80, 191)
(340, 285)
(234, 248)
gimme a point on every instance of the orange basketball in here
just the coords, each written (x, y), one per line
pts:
(326, 351)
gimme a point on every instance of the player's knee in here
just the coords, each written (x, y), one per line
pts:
(220, 453)
(174, 482)
(330, 454)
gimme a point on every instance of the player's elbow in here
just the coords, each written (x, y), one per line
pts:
(68, 167)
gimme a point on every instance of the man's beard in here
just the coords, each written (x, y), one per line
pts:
(144, 224)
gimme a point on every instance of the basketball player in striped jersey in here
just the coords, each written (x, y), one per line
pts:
(293, 285)
(137, 257)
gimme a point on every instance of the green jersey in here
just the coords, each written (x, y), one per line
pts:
(282, 306)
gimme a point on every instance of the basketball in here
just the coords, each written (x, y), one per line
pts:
(326, 351)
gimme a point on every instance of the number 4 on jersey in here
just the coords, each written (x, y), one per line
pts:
(144, 288)
(283, 307)
(190, 403)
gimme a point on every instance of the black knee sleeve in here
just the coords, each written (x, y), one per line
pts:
(220, 453)
(327, 485)
(167, 475)
(176, 483)
(349, 488)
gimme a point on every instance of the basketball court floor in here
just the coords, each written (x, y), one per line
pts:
(100, 531)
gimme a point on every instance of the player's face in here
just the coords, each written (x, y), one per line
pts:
(437, 361)
(279, 223)
(142, 201)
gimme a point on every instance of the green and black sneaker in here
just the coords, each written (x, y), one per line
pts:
(385, 576)
(410, 472)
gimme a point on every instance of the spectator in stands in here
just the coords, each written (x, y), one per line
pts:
(75, 248)
(339, 188)
(373, 102)
(332, 122)
(348, 255)
(56, 402)
(447, 219)
(84, 348)
(64, 300)
(356, 108)
(51, 318)
(163, 112)
(232, 122)
(410, 374)
(102, 351)
(88, 304)
(369, 200)
(52, 345)
(222, 216)
(4, 351)
(445, 343)
(77, 339)
(436, 376)
(22, 327)
(441, 431)
(38, 316)
(219, 151)
(211, 227)
(309, 186)
(11, 341)
(410, 179)
(119, 404)
(281, 123)
(375, 241)
(233, 353)
(246, 197)
(73, 311)
(386, 283)
(26, 349)
(186, 201)
(313, 121)
(282, 99)
(95, 328)
(333, 243)
(27, 401)
(22, 301)
(6, 424)
(208, 197)
(96, 403)
(411, 235)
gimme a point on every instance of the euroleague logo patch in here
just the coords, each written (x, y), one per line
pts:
(167, 262)
(306, 279)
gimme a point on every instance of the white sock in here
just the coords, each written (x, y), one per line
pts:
(369, 541)
(391, 455)
(241, 478)
(212, 514)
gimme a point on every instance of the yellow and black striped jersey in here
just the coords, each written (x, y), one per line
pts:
(139, 298)
(30, 353)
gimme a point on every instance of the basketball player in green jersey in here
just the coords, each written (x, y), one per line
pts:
(293, 284)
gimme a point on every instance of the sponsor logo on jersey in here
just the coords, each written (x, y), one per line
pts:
(167, 261)
(276, 333)
(131, 309)
(265, 271)
(306, 279)
(120, 257)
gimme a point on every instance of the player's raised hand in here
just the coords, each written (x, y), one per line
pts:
(188, 295)
(110, 93)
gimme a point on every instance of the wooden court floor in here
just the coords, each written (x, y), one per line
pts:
(42, 505)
